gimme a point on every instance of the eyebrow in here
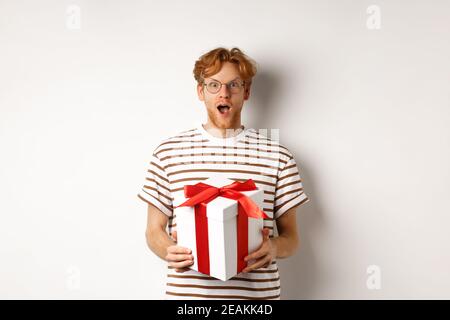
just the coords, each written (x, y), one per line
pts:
(228, 81)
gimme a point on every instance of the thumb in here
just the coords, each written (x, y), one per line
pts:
(265, 232)
(174, 235)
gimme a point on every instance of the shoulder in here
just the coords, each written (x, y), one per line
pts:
(180, 137)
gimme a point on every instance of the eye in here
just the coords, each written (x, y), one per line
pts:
(213, 85)
(234, 84)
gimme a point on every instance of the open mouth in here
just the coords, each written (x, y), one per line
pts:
(223, 108)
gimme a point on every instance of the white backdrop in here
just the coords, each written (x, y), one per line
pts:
(358, 89)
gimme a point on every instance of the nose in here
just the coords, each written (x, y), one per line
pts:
(224, 91)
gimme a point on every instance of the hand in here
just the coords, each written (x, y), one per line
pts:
(179, 257)
(264, 255)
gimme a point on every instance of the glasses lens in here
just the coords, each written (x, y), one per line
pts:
(235, 86)
(213, 86)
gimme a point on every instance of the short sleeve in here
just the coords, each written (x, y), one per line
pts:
(289, 191)
(156, 187)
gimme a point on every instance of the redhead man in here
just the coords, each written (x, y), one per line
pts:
(223, 145)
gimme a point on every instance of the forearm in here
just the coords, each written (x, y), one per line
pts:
(285, 246)
(158, 241)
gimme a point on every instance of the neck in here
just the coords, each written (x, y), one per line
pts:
(227, 132)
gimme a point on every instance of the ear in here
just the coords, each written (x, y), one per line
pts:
(200, 94)
(247, 92)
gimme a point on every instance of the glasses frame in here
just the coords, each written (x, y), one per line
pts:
(221, 84)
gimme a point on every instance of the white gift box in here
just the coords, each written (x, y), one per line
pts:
(222, 230)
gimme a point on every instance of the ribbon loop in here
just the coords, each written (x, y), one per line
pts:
(204, 193)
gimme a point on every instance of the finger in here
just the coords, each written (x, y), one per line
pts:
(179, 257)
(178, 249)
(181, 265)
(174, 235)
(182, 270)
(258, 264)
(264, 250)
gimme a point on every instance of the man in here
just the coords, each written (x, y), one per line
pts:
(223, 146)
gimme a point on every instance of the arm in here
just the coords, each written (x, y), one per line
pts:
(287, 242)
(282, 246)
(161, 244)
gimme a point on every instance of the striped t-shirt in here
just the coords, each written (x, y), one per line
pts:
(195, 155)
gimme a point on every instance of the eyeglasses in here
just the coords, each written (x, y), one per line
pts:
(214, 86)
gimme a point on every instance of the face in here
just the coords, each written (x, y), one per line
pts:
(222, 118)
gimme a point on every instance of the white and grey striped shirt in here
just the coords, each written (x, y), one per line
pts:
(195, 155)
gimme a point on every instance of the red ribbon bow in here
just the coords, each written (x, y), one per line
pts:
(200, 195)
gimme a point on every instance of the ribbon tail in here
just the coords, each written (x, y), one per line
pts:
(251, 208)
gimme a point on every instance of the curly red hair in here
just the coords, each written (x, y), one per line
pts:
(211, 62)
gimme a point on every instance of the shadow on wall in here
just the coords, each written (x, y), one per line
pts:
(299, 273)
(263, 92)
